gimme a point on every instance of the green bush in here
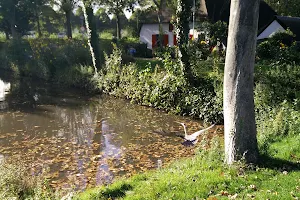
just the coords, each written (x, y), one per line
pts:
(43, 58)
(162, 88)
(279, 49)
(277, 123)
(213, 32)
(274, 84)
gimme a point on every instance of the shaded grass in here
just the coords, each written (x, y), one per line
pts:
(144, 63)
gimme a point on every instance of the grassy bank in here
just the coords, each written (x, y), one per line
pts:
(206, 177)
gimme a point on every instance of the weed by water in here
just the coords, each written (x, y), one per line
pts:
(16, 182)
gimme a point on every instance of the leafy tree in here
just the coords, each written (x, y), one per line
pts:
(93, 40)
(16, 14)
(67, 6)
(37, 8)
(102, 15)
(183, 17)
(285, 7)
(239, 116)
(103, 20)
(5, 27)
(51, 20)
(117, 7)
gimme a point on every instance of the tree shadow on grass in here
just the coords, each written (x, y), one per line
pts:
(277, 163)
(117, 192)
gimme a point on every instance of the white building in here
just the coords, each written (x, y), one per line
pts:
(149, 34)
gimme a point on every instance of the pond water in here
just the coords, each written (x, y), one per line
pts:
(77, 140)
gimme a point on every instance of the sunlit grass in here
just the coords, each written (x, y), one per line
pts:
(205, 176)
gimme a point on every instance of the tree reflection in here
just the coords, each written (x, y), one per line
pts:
(4, 90)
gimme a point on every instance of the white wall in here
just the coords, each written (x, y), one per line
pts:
(148, 30)
(270, 30)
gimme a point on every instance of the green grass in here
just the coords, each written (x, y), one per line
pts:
(288, 148)
(205, 176)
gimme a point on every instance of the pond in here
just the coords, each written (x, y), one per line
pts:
(77, 140)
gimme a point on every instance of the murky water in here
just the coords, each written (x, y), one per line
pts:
(79, 141)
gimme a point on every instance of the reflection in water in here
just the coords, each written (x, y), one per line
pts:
(1, 158)
(4, 90)
(109, 151)
(85, 141)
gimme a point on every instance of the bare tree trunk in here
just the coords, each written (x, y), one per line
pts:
(239, 116)
(68, 23)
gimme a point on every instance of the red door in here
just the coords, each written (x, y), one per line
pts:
(166, 40)
(154, 41)
(175, 40)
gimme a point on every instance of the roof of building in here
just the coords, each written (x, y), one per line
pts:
(292, 23)
(220, 10)
(214, 10)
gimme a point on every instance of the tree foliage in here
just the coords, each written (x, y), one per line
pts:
(15, 16)
(67, 6)
(285, 7)
(183, 17)
(117, 7)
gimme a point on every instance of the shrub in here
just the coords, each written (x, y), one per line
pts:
(163, 88)
(214, 32)
(276, 123)
(42, 58)
(17, 183)
(279, 49)
(276, 83)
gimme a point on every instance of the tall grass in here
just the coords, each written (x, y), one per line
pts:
(16, 182)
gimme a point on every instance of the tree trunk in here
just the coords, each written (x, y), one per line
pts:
(48, 25)
(88, 16)
(7, 35)
(68, 23)
(13, 25)
(118, 26)
(239, 116)
(183, 18)
(160, 29)
(94, 35)
(39, 25)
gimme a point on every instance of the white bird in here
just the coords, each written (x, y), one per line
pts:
(192, 139)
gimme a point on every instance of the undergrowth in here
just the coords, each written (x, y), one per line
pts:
(16, 182)
(162, 87)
